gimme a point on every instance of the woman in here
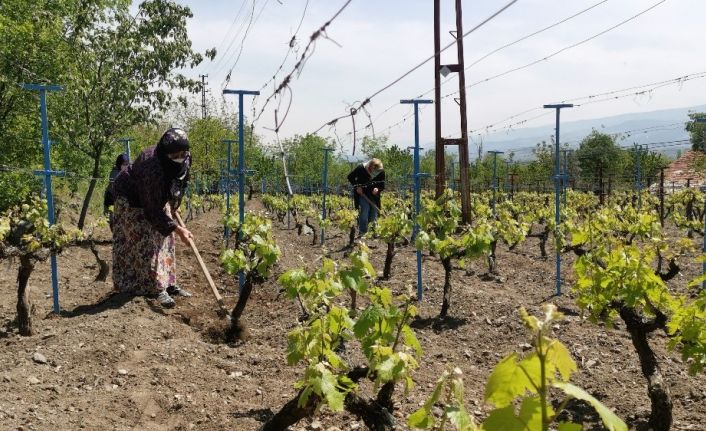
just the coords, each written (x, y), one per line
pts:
(368, 181)
(121, 164)
(146, 195)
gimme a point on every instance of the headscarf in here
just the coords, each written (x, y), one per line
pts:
(173, 141)
(120, 160)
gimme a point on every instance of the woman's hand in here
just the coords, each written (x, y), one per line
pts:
(359, 190)
(184, 234)
(376, 191)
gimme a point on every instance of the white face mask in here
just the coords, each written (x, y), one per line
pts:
(179, 161)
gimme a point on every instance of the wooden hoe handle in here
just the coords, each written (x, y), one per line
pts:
(218, 296)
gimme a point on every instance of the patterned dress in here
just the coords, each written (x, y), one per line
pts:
(144, 261)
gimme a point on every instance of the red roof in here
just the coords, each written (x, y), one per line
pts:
(681, 171)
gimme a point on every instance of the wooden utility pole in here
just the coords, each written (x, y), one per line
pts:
(461, 142)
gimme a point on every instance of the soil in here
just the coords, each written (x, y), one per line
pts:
(122, 363)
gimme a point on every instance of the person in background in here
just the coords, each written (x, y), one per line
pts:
(368, 181)
(146, 196)
(121, 164)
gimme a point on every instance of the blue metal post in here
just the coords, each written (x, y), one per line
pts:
(408, 176)
(221, 182)
(638, 175)
(703, 189)
(126, 146)
(417, 185)
(557, 189)
(227, 183)
(565, 176)
(495, 178)
(241, 159)
(47, 172)
(325, 181)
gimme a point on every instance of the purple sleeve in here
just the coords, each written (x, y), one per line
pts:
(153, 196)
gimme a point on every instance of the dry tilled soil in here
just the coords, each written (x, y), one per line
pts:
(122, 363)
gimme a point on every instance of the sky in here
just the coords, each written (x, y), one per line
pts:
(374, 42)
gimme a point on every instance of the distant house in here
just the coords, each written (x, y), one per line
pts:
(681, 174)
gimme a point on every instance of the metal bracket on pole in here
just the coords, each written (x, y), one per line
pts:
(47, 172)
(417, 185)
(557, 189)
(241, 160)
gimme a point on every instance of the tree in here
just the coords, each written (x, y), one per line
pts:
(123, 72)
(598, 157)
(697, 131)
(650, 164)
(36, 48)
(397, 161)
(306, 160)
(539, 170)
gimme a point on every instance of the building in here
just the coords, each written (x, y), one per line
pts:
(681, 173)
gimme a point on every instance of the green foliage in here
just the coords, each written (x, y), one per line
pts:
(616, 272)
(523, 381)
(438, 222)
(25, 230)
(388, 343)
(122, 72)
(697, 131)
(345, 219)
(688, 328)
(255, 251)
(305, 159)
(449, 384)
(16, 187)
(393, 226)
(598, 153)
(397, 161)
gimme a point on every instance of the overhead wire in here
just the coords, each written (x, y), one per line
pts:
(555, 53)
(590, 99)
(232, 26)
(292, 48)
(507, 45)
(292, 45)
(536, 61)
(234, 38)
(299, 66)
(416, 67)
(242, 43)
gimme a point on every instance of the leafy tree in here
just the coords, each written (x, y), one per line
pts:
(427, 164)
(306, 160)
(598, 154)
(397, 161)
(539, 170)
(36, 49)
(123, 72)
(697, 131)
(650, 164)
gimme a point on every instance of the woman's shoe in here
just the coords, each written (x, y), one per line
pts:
(178, 291)
(165, 300)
